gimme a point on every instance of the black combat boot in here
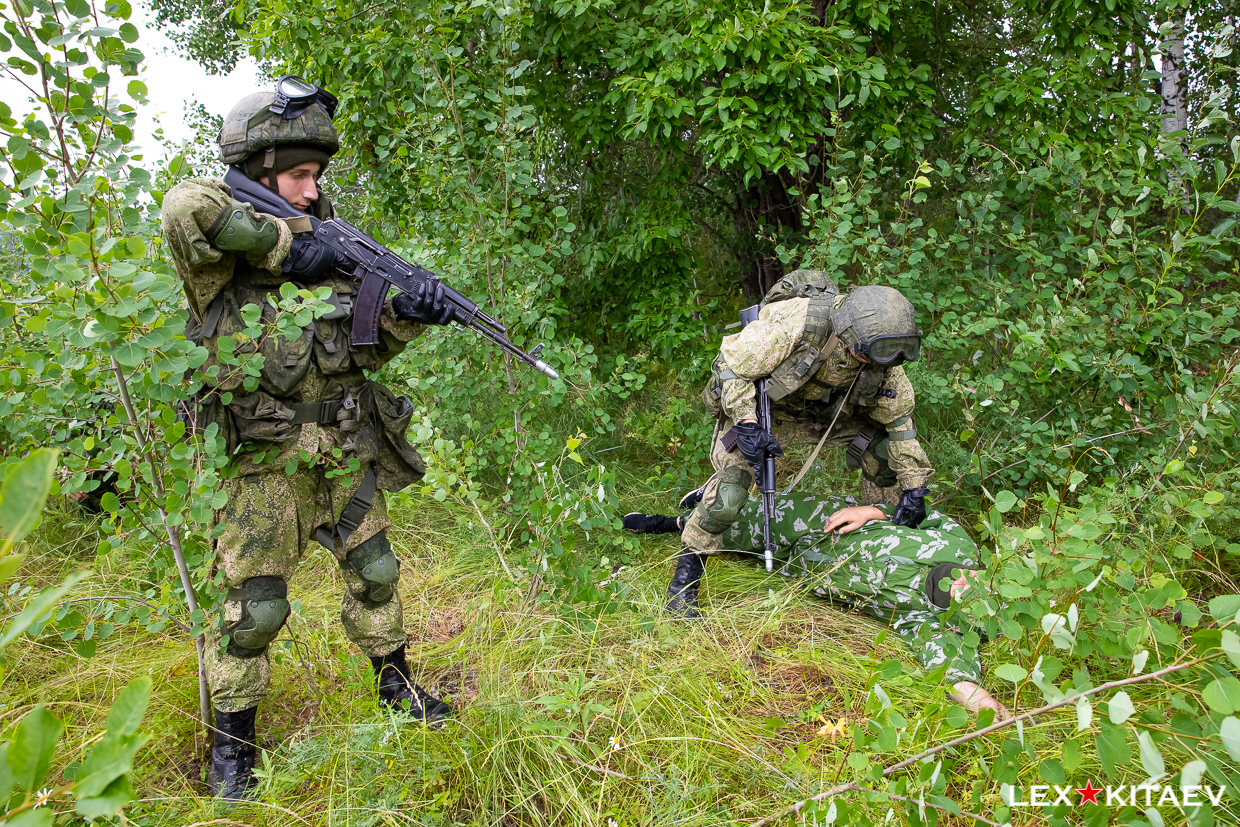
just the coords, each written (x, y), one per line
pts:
(695, 496)
(683, 590)
(639, 523)
(232, 757)
(398, 691)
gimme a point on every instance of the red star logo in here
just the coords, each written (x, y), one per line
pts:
(1089, 795)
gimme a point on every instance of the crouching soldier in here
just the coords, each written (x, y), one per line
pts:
(833, 361)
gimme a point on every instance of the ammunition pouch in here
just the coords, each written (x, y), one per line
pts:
(376, 564)
(721, 512)
(712, 394)
(264, 608)
(871, 439)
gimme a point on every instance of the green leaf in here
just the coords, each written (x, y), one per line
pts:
(1223, 695)
(1005, 501)
(1051, 771)
(1119, 708)
(6, 774)
(1113, 749)
(129, 707)
(1229, 731)
(36, 609)
(26, 486)
(1072, 755)
(109, 760)
(9, 565)
(41, 817)
(1225, 607)
(1151, 758)
(1230, 644)
(1010, 672)
(130, 355)
(1084, 714)
(30, 751)
(108, 803)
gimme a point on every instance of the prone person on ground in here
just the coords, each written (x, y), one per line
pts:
(855, 554)
(313, 397)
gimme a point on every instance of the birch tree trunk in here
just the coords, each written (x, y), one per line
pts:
(1174, 79)
(1175, 97)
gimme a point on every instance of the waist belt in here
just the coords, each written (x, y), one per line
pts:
(324, 413)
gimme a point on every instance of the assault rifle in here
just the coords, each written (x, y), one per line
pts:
(377, 268)
(764, 475)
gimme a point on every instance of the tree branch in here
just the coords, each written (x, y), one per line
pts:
(793, 809)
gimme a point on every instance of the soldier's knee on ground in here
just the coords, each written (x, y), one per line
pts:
(376, 565)
(264, 609)
(875, 465)
(716, 513)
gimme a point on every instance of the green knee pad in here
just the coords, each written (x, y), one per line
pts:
(236, 232)
(733, 493)
(375, 562)
(264, 608)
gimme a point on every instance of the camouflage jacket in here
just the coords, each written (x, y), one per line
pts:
(757, 350)
(319, 365)
(881, 569)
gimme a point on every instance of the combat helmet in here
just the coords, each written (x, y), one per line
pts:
(800, 284)
(294, 114)
(878, 323)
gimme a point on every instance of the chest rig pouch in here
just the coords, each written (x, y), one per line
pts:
(869, 386)
(712, 394)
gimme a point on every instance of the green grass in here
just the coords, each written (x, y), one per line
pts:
(715, 722)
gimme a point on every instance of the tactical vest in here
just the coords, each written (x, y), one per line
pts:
(286, 361)
(794, 379)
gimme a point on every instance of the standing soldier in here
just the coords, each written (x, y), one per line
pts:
(312, 398)
(831, 360)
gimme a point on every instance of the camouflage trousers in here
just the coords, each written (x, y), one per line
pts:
(269, 522)
(878, 481)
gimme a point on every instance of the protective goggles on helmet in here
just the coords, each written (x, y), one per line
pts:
(295, 95)
(891, 350)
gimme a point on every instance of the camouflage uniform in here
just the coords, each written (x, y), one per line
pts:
(880, 568)
(894, 458)
(271, 516)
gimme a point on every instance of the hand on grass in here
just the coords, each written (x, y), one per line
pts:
(976, 698)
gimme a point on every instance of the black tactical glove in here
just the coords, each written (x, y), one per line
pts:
(427, 307)
(309, 260)
(912, 508)
(756, 444)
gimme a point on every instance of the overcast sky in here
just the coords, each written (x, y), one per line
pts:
(171, 81)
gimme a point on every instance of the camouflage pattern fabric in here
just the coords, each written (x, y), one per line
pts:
(244, 131)
(269, 522)
(271, 516)
(880, 569)
(873, 468)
